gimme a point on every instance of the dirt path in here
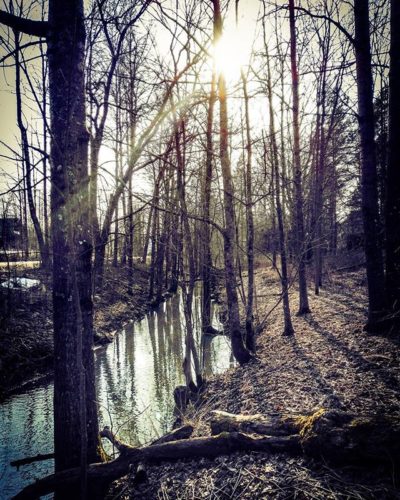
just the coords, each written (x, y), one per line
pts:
(329, 363)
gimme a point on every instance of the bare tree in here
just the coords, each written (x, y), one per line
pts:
(238, 348)
(392, 213)
(75, 411)
(299, 217)
(369, 190)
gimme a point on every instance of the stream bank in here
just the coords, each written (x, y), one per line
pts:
(135, 377)
(330, 363)
(26, 324)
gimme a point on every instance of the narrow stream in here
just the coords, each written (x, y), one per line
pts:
(136, 376)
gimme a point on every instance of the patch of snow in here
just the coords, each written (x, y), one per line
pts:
(20, 283)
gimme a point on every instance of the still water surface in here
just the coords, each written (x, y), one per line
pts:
(136, 376)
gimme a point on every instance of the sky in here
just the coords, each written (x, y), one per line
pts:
(228, 59)
(236, 49)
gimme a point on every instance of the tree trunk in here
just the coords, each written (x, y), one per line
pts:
(300, 237)
(118, 160)
(206, 253)
(99, 259)
(187, 291)
(250, 338)
(369, 190)
(43, 249)
(288, 328)
(147, 237)
(45, 145)
(72, 249)
(129, 246)
(95, 144)
(392, 213)
(238, 348)
(320, 169)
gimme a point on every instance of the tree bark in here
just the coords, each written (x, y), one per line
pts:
(250, 337)
(238, 348)
(72, 249)
(300, 239)
(369, 190)
(288, 328)
(392, 213)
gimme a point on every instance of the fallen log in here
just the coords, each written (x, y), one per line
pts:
(108, 434)
(221, 421)
(183, 432)
(336, 436)
(212, 446)
(341, 437)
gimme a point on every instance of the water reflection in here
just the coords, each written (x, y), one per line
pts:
(135, 375)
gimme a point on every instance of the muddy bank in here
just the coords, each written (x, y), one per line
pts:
(26, 331)
(330, 363)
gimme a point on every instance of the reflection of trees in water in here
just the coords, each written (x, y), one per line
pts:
(166, 340)
(162, 362)
(163, 332)
(129, 381)
(176, 329)
(168, 369)
(39, 414)
(30, 422)
(206, 355)
(156, 342)
(118, 397)
(197, 333)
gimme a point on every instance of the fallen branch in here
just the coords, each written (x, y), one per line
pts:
(213, 446)
(183, 432)
(30, 460)
(108, 434)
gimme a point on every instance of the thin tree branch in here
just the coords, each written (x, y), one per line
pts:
(27, 26)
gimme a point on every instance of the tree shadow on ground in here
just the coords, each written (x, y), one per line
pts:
(343, 307)
(343, 292)
(355, 357)
(332, 399)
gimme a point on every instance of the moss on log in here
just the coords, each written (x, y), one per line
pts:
(337, 436)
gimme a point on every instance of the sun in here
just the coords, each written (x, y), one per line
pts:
(230, 54)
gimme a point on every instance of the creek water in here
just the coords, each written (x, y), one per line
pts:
(135, 374)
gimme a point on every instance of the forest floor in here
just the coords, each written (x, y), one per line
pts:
(329, 363)
(26, 322)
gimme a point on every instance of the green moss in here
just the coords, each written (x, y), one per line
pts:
(305, 423)
(360, 421)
